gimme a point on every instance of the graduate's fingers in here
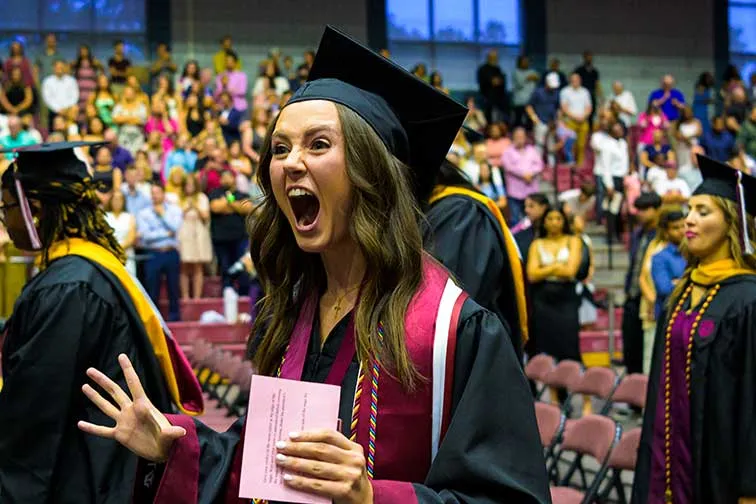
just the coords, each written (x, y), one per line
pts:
(132, 380)
(316, 469)
(103, 404)
(324, 452)
(332, 489)
(97, 430)
(111, 387)
(330, 436)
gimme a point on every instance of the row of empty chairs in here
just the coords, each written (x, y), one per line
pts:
(566, 441)
(596, 382)
(224, 377)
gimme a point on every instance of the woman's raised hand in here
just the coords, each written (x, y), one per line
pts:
(140, 427)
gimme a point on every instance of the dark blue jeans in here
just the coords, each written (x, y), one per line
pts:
(164, 263)
(227, 253)
(516, 210)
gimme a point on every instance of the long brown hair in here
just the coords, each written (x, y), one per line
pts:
(384, 224)
(732, 218)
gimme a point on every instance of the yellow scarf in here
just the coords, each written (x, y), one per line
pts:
(515, 265)
(707, 275)
(152, 322)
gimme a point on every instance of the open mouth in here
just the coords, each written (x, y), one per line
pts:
(305, 206)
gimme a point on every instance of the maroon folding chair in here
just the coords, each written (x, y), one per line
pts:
(537, 368)
(592, 435)
(230, 365)
(551, 421)
(623, 458)
(237, 403)
(565, 376)
(632, 389)
(596, 382)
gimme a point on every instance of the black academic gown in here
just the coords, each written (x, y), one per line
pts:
(68, 318)
(723, 400)
(491, 452)
(461, 233)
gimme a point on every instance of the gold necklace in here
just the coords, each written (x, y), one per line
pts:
(668, 376)
(340, 299)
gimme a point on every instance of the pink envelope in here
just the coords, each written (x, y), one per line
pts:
(276, 408)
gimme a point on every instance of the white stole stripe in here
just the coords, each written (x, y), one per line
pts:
(440, 341)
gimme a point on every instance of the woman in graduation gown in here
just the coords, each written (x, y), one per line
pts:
(352, 300)
(466, 231)
(82, 309)
(699, 430)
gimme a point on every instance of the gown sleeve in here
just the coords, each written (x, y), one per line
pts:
(744, 324)
(49, 336)
(491, 452)
(200, 464)
(468, 242)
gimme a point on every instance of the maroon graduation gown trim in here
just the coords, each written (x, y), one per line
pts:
(179, 482)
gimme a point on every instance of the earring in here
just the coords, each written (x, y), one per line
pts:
(35, 220)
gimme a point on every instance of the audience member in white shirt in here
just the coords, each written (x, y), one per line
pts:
(575, 103)
(622, 103)
(60, 91)
(598, 139)
(672, 189)
(615, 165)
(656, 172)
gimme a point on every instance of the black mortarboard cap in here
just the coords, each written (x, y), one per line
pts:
(415, 121)
(720, 179)
(472, 136)
(57, 162)
(648, 200)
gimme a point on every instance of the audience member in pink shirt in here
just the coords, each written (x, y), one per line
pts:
(496, 143)
(161, 123)
(633, 189)
(651, 120)
(233, 81)
(522, 166)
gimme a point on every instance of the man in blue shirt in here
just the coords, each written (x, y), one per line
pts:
(157, 228)
(137, 193)
(122, 158)
(668, 98)
(668, 264)
(544, 107)
(718, 142)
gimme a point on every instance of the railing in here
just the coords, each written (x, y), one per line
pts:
(610, 305)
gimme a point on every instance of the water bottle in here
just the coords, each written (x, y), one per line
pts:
(230, 305)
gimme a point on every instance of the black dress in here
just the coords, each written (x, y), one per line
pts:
(555, 321)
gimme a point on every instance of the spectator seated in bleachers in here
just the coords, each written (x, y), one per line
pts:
(16, 137)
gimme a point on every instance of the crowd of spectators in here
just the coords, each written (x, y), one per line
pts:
(180, 146)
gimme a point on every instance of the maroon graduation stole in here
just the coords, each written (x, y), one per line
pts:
(293, 362)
